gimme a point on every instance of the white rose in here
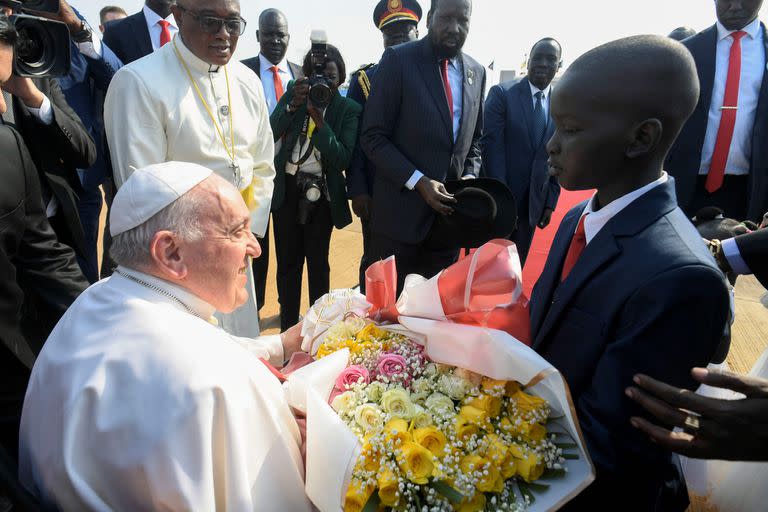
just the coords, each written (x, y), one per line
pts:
(440, 404)
(397, 402)
(369, 417)
(421, 385)
(374, 390)
(421, 418)
(453, 386)
(343, 403)
(430, 370)
(340, 331)
(355, 324)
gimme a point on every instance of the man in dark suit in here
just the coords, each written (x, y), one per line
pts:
(398, 24)
(422, 129)
(517, 128)
(30, 258)
(59, 145)
(142, 33)
(721, 158)
(616, 296)
(275, 71)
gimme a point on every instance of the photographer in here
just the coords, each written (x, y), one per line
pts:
(310, 196)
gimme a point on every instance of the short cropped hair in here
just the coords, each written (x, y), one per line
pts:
(334, 55)
(109, 10)
(8, 34)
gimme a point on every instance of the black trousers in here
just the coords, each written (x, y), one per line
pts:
(260, 268)
(523, 235)
(296, 243)
(411, 258)
(15, 377)
(365, 260)
(732, 197)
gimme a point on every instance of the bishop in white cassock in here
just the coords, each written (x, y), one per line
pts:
(138, 401)
(188, 101)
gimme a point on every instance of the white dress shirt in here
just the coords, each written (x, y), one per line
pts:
(136, 402)
(153, 25)
(752, 68)
(544, 98)
(597, 219)
(456, 80)
(268, 82)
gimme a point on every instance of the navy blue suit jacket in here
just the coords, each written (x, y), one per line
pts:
(85, 87)
(684, 159)
(360, 172)
(512, 156)
(407, 126)
(644, 297)
(129, 37)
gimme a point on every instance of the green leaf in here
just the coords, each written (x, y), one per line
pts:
(566, 446)
(553, 474)
(571, 456)
(373, 503)
(538, 487)
(525, 491)
(449, 492)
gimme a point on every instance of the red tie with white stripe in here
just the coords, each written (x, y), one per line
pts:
(727, 117)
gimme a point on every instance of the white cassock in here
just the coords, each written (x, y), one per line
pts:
(153, 114)
(136, 403)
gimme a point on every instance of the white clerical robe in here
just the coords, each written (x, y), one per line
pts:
(138, 403)
(153, 114)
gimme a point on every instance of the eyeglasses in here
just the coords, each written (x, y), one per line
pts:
(212, 24)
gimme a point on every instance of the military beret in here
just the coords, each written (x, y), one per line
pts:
(395, 11)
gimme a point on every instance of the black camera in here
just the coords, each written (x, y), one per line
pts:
(42, 49)
(311, 189)
(320, 91)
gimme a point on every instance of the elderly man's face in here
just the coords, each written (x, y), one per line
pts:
(199, 23)
(217, 263)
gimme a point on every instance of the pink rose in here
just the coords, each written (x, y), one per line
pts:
(390, 365)
(352, 375)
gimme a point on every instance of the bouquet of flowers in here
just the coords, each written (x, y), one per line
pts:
(435, 435)
(444, 409)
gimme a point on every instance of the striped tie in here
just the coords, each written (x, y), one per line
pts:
(539, 121)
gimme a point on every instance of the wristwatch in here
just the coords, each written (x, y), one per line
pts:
(84, 35)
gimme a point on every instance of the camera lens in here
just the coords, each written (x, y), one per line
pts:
(320, 94)
(31, 49)
(42, 48)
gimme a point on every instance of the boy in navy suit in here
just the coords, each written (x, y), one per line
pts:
(629, 286)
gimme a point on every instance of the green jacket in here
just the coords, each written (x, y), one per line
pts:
(335, 140)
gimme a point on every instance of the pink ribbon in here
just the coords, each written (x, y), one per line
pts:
(483, 289)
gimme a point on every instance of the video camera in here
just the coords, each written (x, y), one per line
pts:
(42, 49)
(319, 86)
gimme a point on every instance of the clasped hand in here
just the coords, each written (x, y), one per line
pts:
(435, 195)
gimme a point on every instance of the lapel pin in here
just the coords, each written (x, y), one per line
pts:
(470, 76)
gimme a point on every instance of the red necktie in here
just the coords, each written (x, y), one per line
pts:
(447, 85)
(165, 32)
(578, 242)
(274, 371)
(727, 116)
(278, 82)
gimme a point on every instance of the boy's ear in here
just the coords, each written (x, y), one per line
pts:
(645, 138)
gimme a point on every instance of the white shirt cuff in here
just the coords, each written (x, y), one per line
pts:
(91, 48)
(265, 347)
(415, 177)
(733, 255)
(44, 114)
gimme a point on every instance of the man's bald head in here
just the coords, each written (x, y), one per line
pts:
(642, 77)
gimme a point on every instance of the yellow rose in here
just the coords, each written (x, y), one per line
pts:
(476, 504)
(325, 350)
(512, 388)
(369, 333)
(509, 465)
(397, 402)
(497, 450)
(488, 403)
(465, 429)
(531, 467)
(537, 433)
(357, 496)
(369, 458)
(431, 439)
(474, 415)
(492, 385)
(487, 472)
(416, 462)
(397, 428)
(528, 403)
(388, 488)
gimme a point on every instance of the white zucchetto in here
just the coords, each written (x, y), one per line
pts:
(149, 190)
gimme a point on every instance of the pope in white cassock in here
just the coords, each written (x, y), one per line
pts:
(138, 401)
(188, 102)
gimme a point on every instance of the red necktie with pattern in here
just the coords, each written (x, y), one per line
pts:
(727, 117)
(578, 242)
(278, 82)
(165, 32)
(447, 86)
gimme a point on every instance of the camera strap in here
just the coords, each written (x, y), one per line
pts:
(302, 140)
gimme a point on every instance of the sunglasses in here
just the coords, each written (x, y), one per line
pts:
(212, 24)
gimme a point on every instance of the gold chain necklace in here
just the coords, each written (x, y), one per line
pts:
(230, 153)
